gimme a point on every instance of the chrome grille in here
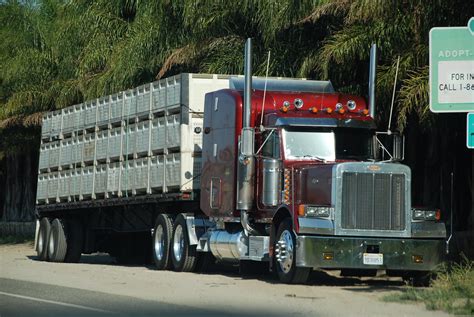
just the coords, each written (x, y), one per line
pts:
(373, 201)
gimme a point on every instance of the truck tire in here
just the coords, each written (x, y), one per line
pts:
(43, 235)
(74, 241)
(162, 241)
(57, 245)
(183, 255)
(285, 256)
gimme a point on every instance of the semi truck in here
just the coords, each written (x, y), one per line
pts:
(193, 168)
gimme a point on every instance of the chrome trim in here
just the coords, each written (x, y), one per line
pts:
(348, 252)
(365, 167)
(372, 79)
(324, 122)
(428, 229)
(316, 226)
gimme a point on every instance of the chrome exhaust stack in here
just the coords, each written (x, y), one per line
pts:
(372, 78)
(246, 161)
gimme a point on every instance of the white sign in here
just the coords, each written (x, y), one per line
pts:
(456, 82)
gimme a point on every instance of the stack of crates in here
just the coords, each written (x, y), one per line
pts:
(136, 142)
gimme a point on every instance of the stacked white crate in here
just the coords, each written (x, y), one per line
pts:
(144, 138)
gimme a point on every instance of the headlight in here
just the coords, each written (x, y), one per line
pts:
(421, 214)
(351, 105)
(318, 211)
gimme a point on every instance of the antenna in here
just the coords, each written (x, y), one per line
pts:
(265, 91)
(393, 97)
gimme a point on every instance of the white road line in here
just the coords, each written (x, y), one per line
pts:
(56, 303)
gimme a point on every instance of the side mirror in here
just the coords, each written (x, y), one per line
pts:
(247, 142)
(389, 146)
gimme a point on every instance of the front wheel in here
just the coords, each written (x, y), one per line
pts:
(285, 256)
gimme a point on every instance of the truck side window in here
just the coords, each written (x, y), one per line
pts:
(272, 147)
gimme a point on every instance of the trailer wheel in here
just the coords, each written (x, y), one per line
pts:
(74, 241)
(43, 235)
(162, 241)
(183, 255)
(285, 256)
(57, 245)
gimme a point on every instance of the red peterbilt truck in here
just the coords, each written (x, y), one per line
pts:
(289, 172)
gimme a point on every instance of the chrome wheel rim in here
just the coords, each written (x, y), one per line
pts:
(178, 243)
(40, 242)
(159, 243)
(51, 243)
(284, 251)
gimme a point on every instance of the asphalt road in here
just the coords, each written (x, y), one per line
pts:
(97, 286)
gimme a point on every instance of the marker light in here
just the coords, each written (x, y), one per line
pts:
(284, 109)
(351, 105)
(341, 111)
(314, 110)
(298, 103)
(365, 112)
(329, 110)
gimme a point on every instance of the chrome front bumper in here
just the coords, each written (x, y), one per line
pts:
(348, 252)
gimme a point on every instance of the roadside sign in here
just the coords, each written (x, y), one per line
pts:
(452, 68)
(470, 130)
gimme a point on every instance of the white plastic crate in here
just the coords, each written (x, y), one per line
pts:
(75, 184)
(172, 169)
(103, 110)
(44, 157)
(64, 184)
(114, 148)
(173, 90)
(156, 171)
(143, 98)
(52, 186)
(90, 113)
(127, 176)
(69, 117)
(56, 123)
(87, 181)
(54, 154)
(116, 106)
(42, 188)
(46, 125)
(101, 144)
(143, 137)
(141, 174)
(100, 179)
(113, 177)
(159, 95)
(158, 134)
(129, 139)
(173, 131)
(130, 104)
(66, 152)
(88, 147)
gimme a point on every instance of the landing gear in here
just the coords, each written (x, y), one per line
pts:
(285, 256)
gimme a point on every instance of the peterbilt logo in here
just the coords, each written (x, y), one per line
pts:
(373, 168)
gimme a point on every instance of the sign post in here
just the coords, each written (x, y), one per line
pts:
(470, 130)
(452, 68)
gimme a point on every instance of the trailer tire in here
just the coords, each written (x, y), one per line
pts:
(74, 240)
(183, 255)
(57, 245)
(162, 241)
(43, 235)
(285, 256)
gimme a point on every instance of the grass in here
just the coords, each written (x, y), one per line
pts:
(452, 290)
(15, 239)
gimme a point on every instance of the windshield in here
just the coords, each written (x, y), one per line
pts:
(327, 145)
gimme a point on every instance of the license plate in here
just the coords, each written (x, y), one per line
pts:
(373, 258)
